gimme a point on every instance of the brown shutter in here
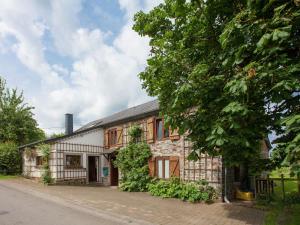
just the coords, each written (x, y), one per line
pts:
(174, 135)
(174, 166)
(150, 130)
(119, 136)
(106, 139)
(151, 164)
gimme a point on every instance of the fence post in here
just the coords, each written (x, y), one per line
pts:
(255, 187)
(282, 185)
(298, 179)
(268, 187)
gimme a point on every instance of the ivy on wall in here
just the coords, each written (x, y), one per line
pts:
(46, 151)
(132, 161)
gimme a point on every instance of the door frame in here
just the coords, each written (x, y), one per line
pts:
(97, 167)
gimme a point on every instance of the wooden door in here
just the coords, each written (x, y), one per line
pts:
(114, 173)
(92, 169)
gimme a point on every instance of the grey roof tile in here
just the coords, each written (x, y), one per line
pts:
(129, 113)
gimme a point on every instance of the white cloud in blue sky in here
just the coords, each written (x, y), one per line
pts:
(78, 56)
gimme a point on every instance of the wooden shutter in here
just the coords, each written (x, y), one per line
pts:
(119, 136)
(174, 166)
(174, 135)
(151, 164)
(150, 130)
(106, 140)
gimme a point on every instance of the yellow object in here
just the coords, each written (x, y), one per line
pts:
(248, 196)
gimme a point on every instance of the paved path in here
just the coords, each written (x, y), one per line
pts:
(18, 207)
(102, 205)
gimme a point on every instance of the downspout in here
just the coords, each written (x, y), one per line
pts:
(225, 194)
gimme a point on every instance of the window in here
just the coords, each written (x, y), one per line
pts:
(161, 131)
(73, 161)
(163, 167)
(39, 161)
(112, 137)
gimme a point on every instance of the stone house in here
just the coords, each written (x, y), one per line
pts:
(87, 155)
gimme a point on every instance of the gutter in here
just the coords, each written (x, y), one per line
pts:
(225, 194)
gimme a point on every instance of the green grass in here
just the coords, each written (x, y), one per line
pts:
(279, 212)
(4, 177)
(289, 186)
(277, 173)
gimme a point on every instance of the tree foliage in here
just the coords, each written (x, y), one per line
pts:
(227, 71)
(288, 148)
(57, 135)
(10, 158)
(16, 118)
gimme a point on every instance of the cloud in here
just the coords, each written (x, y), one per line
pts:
(101, 76)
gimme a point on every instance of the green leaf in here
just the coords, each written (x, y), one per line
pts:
(236, 87)
(264, 41)
(280, 35)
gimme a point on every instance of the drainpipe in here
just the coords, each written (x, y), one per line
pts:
(225, 194)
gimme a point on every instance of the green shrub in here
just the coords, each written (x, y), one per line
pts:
(174, 188)
(46, 176)
(292, 198)
(132, 161)
(10, 158)
(159, 188)
(46, 151)
(190, 192)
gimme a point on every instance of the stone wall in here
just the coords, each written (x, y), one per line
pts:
(208, 168)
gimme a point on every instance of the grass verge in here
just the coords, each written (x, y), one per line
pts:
(5, 177)
(278, 211)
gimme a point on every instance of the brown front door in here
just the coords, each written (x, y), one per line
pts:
(114, 173)
(92, 169)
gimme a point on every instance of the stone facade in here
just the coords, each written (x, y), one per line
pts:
(207, 168)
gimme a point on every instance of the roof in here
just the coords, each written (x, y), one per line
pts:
(136, 112)
(124, 115)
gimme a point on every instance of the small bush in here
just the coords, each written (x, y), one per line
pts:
(292, 198)
(190, 192)
(46, 177)
(10, 158)
(174, 188)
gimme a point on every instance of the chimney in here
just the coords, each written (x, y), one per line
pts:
(68, 123)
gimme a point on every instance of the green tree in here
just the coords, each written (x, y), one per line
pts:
(288, 148)
(10, 158)
(16, 118)
(227, 71)
(57, 135)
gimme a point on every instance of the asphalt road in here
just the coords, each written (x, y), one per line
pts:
(21, 208)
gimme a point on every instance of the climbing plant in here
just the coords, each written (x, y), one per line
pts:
(45, 150)
(135, 133)
(30, 153)
(132, 161)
